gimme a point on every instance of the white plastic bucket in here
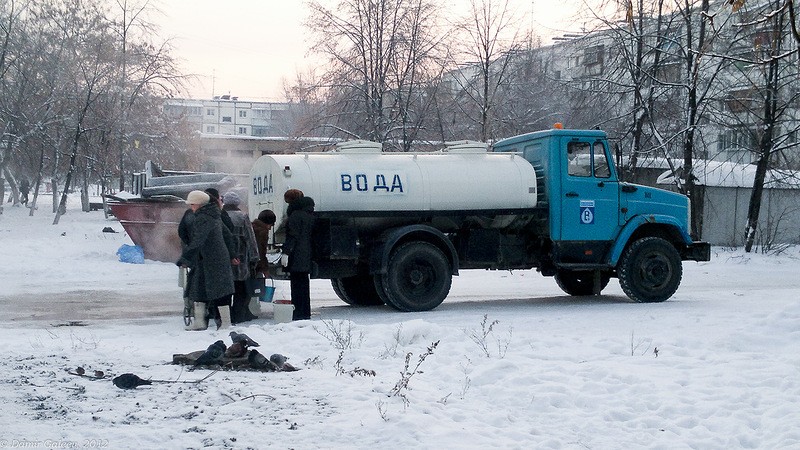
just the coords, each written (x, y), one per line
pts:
(282, 312)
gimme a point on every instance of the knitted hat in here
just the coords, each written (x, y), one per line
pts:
(267, 216)
(212, 193)
(231, 198)
(292, 195)
(197, 198)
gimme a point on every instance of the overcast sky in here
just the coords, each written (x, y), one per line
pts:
(247, 48)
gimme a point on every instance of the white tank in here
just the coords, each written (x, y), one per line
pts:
(359, 177)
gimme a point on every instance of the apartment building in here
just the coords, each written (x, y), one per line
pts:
(229, 116)
(233, 133)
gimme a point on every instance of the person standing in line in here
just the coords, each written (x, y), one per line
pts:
(185, 234)
(224, 216)
(261, 227)
(297, 251)
(247, 254)
(213, 194)
(208, 258)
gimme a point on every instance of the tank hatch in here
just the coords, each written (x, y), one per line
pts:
(359, 146)
(466, 147)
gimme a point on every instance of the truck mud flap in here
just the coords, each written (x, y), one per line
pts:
(697, 251)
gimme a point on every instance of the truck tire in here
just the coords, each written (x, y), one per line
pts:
(650, 270)
(337, 288)
(418, 277)
(378, 281)
(357, 291)
(580, 282)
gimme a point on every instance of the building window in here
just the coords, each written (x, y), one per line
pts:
(670, 73)
(242, 130)
(736, 144)
(226, 119)
(242, 113)
(260, 131)
(741, 100)
(261, 114)
(209, 112)
(195, 111)
(210, 129)
(593, 55)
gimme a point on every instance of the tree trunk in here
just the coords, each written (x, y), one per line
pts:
(765, 151)
(73, 157)
(4, 152)
(39, 177)
(13, 197)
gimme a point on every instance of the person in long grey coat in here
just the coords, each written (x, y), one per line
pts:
(209, 259)
(246, 253)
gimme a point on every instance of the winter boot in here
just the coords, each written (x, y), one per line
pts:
(237, 310)
(200, 322)
(225, 317)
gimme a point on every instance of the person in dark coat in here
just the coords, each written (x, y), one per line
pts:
(224, 216)
(24, 189)
(261, 227)
(209, 258)
(215, 198)
(246, 253)
(185, 275)
(297, 251)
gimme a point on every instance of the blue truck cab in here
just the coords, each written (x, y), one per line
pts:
(599, 227)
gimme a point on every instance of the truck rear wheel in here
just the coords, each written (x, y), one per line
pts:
(378, 281)
(650, 270)
(418, 277)
(357, 291)
(580, 282)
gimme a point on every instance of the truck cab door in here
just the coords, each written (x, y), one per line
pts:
(590, 198)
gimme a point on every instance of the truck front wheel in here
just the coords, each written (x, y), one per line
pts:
(418, 277)
(580, 282)
(650, 270)
(357, 291)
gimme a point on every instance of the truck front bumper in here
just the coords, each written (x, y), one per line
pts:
(697, 251)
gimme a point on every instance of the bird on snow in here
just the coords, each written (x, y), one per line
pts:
(280, 361)
(259, 361)
(212, 355)
(99, 374)
(80, 371)
(129, 381)
(236, 350)
(241, 337)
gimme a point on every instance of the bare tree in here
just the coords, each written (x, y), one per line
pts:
(490, 51)
(10, 18)
(768, 95)
(92, 78)
(377, 51)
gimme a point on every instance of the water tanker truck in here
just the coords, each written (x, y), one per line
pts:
(395, 228)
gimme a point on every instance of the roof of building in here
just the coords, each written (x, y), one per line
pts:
(729, 174)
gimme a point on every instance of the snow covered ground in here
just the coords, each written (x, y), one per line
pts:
(517, 363)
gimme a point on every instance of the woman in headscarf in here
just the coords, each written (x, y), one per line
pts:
(209, 259)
